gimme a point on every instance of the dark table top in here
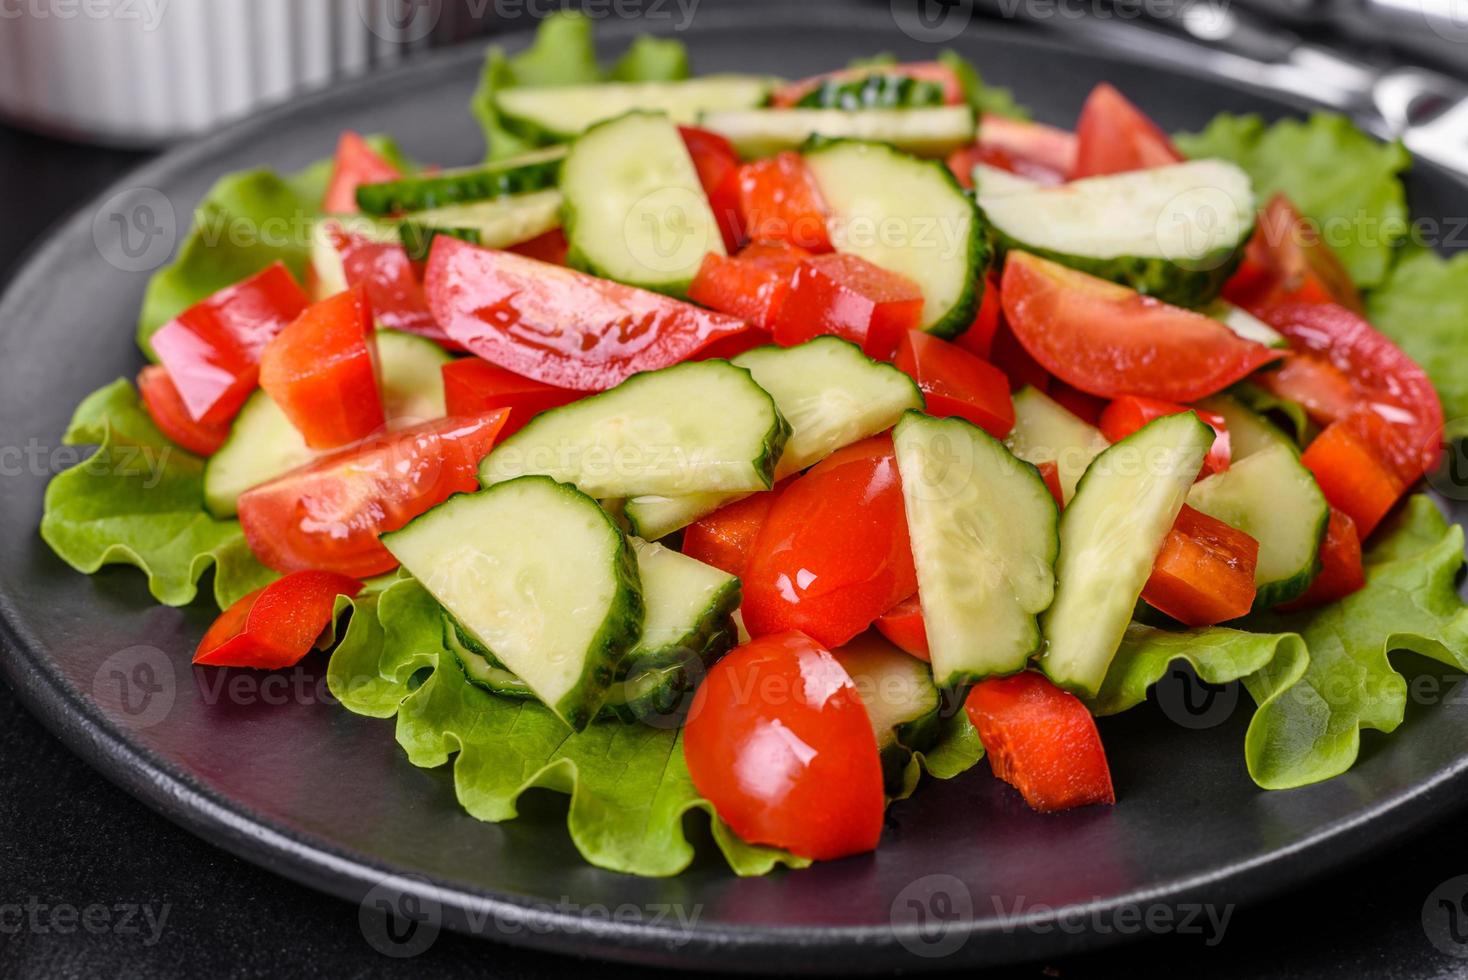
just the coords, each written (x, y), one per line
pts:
(94, 884)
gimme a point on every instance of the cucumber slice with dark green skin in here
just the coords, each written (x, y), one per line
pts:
(927, 132)
(418, 238)
(984, 542)
(535, 171)
(480, 666)
(907, 216)
(634, 210)
(263, 444)
(555, 114)
(497, 223)
(1248, 431)
(879, 90)
(901, 701)
(832, 395)
(1273, 498)
(1046, 432)
(1176, 232)
(1109, 538)
(538, 574)
(701, 426)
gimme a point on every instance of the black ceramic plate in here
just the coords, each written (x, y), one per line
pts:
(326, 797)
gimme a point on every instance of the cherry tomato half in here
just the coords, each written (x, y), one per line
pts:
(725, 538)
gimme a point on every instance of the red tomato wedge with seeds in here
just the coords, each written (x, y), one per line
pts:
(956, 383)
(390, 280)
(472, 386)
(1113, 136)
(356, 164)
(1204, 572)
(1111, 341)
(276, 626)
(167, 410)
(1037, 151)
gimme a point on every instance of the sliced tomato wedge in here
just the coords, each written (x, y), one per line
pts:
(1010, 356)
(322, 372)
(752, 285)
(1086, 407)
(1034, 150)
(833, 553)
(1321, 387)
(167, 410)
(391, 281)
(472, 386)
(1286, 262)
(779, 741)
(212, 349)
(1114, 136)
(779, 201)
(559, 326)
(791, 93)
(1128, 414)
(956, 383)
(328, 514)
(1341, 569)
(550, 246)
(849, 297)
(718, 173)
(903, 625)
(1355, 470)
(978, 339)
(1111, 341)
(1204, 572)
(725, 538)
(276, 626)
(1041, 740)
(356, 164)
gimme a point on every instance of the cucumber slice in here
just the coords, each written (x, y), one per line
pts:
(1109, 537)
(1175, 232)
(496, 223)
(1046, 432)
(908, 216)
(901, 701)
(262, 443)
(983, 528)
(932, 132)
(695, 427)
(877, 90)
(537, 573)
(634, 209)
(555, 114)
(418, 239)
(1248, 431)
(992, 182)
(1245, 324)
(1270, 496)
(480, 666)
(832, 395)
(534, 171)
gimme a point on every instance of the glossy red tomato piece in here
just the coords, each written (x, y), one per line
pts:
(725, 538)
(1341, 568)
(390, 280)
(903, 625)
(752, 285)
(1041, 740)
(168, 412)
(1286, 262)
(779, 201)
(1355, 472)
(322, 372)
(1039, 152)
(978, 339)
(1086, 407)
(849, 297)
(472, 386)
(1204, 572)
(1010, 356)
(779, 742)
(548, 247)
(1109, 340)
(1114, 136)
(356, 164)
(557, 325)
(956, 383)
(329, 513)
(1128, 414)
(276, 626)
(791, 93)
(1319, 386)
(833, 553)
(717, 165)
(212, 349)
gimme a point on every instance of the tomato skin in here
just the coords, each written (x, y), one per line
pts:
(725, 538)
(1041, 740)
(212, 349)
(1114, 136)
(779, 201)
(956, 383)
(356, 163)
(1084, 406)
(328, 514)
(1341, 568)
(1010, 356)
(550, 246)
(791, 93)
(322, 372)
(1204, 572)
(1353, 471)
(168, 412)
(472, 386)
(717, 165)
(559, 326)
(904, 626)
(1319, 386)
(1286, 262)
(1039, 152)
(752, 285)
(390, 280)
(978, 339)
(778, 740)
(833, 553)
(275, 626)
(1111, 341)
(1128, 414)
(848, 297)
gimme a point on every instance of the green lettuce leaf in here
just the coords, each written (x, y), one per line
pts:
(956, 751)
(139, 500)
(1423, 306)
(1337, 175)
(651, 59)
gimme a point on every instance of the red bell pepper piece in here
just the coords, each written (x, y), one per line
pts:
(1114, 136)
(718, 172)
(752, 285)
(1129, 413)
(557, 325)
(329, 513)
(1341, 569)
(725, 538)
(276, 626)
(903, 625)
(1354, 472)
(978, 339)
(956, 383)
(322, 372)
(1204, 572)
(550, 246)
(390, 280)
(1050, 473)
(779, 201)
(168, 412)
(787, 95)
(849, 297)
(1084, 406)
(212, 349)
(472, 386)
(356, 164)
(1041, 740)
(1286, 262)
